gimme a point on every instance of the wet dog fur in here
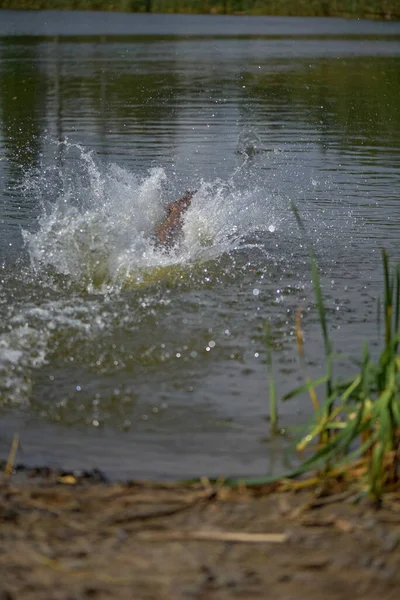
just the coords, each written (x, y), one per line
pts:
(167, 234)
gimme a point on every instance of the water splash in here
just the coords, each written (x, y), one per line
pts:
(92, 242)
(99, 304)
(97, 221)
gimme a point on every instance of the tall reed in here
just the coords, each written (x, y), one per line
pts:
(273, 409)
(355, 430)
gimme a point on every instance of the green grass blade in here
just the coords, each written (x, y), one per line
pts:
(305, 387)
(350, 389)
(388, 296)
(299, 220)
(273, 409)
(320, 306)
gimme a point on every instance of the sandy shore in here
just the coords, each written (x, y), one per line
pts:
(68, 537)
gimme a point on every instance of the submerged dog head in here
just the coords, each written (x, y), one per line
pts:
(179, 206)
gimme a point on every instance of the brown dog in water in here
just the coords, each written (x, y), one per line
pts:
(167, 233)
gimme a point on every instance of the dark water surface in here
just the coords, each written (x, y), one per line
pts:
(117, 355)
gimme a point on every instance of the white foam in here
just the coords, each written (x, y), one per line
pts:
(97, 221)
(21, 349)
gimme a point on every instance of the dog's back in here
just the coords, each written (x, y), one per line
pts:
(167, 233)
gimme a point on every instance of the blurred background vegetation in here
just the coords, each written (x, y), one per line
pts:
(360, 97)
(379, 9)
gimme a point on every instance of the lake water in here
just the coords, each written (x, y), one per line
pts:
(117, 355)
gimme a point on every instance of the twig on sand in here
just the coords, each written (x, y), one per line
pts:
(214, 536)
(11, 459)
(137, 515)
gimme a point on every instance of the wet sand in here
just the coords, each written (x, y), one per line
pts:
(65, 536)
